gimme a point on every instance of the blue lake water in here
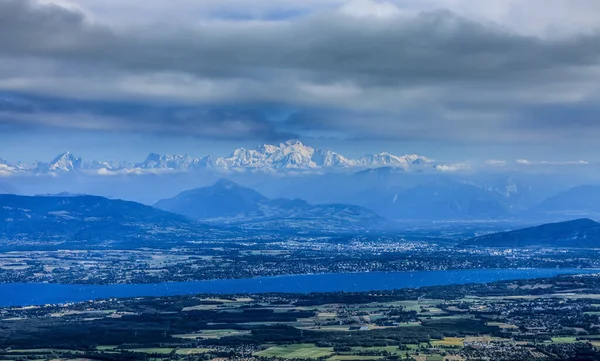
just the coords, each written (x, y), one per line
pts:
(23, 294)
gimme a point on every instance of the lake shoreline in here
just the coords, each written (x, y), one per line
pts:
(31, 294)
(294, 275)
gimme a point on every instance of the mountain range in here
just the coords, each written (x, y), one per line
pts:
(290, 155)
(221, 211)
(224, 210)
(579, 233)
(226, 202)
(89, 221)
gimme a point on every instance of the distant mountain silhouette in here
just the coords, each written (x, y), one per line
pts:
(87, 220)
(442, 200)
(61, 194)
(224, 199)
(226, 202)
(579, 233)
(581, 201)
(7, 188)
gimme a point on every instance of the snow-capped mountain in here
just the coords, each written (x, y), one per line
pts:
(387, 159)
(328, 158)
(65, 162)
(168, 161)
(95, 165)
(289, 155)
(292, 155)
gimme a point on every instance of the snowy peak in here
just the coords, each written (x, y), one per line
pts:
(387, 159)
(97, 165)
(328, 158)
(289, 155)
(417, 159)
(65, 162)
(167, 161)
(294, 142)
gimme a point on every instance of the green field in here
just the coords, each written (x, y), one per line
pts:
(409, 324)
(192, 351)
(393, 350)
(106, 347)
(449, 341)
(156, 350)
(211, 334)
(502, 325)
(302, 351)
(435, 358)
(352, 357)
(564, 339)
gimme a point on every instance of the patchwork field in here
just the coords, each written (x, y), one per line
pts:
(300, 351)
(397, 325)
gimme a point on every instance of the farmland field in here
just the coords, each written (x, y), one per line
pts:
(302, 351)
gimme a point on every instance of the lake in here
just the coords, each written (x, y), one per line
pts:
(24, 294)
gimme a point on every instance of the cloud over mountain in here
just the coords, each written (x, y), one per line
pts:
(430, 71)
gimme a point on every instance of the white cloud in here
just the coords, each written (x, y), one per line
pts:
(575, 162)
(455, 167)
(495, 162)
(552, 163)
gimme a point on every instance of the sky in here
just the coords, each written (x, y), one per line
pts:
(449, 79)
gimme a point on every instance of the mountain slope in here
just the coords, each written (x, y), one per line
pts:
(65, 162)
(226, 202)
(88, 221)
(441, 200)
(579, 233)
(223, 199)
(582, 201)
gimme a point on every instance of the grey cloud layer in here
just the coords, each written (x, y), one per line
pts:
(436, 46)
(406, 73)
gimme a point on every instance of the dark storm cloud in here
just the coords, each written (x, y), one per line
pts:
(412, 73)
(438, 46)
(216, 122)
